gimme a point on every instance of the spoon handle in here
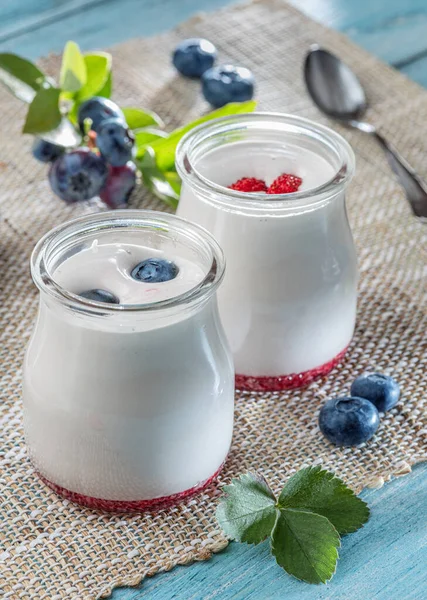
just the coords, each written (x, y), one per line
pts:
(415, 188)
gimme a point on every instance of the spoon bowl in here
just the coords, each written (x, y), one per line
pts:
(338, 93)
(333, 86)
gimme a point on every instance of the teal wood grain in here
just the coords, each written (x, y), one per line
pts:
(96, 23)
(387, 559)
(394, 30)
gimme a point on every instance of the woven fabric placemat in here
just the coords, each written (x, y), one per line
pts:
(51, 549)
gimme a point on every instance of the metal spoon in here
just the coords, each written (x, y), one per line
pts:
(338, 93)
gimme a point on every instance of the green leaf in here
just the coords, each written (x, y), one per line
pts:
(98, 69)
(137, 118)
(305, 545)
(146, 136)
(107, 88)
(21, 76)
(73, 69)
(248, 512)
(174, 180)
(155, 180)
(43, 112)
(165, 149)
(319, 491)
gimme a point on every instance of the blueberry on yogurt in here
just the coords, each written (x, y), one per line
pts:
(155, 270)
(100, 296)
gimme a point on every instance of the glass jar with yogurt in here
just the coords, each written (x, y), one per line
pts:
(288, 302)
(128, 377)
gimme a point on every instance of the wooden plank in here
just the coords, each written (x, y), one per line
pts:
(393, 30)
(28, 17)
(417, 70)
(385, 560)
(12, 13)
(98, 24)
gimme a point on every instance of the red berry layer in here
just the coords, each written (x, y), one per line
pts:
(286, 382)
(129, 505)
(249, 184)
(285, 184)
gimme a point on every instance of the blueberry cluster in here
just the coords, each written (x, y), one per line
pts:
(352, 420)
(105, 169)
(220, 84)
(150, 270)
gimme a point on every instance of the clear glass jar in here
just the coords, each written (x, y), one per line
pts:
(288, 302)
(128, 406)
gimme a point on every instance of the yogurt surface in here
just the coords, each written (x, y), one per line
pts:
(107, 262)
(265, 161)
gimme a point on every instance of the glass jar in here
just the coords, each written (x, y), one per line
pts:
(128, 406)
(288, 302)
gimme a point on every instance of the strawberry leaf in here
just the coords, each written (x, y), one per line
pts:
(320, 492)
(98, 69)
(21, 76)
(248, 512)
(155, 180)
(305, 545)
(144, 137)
(43, 113)
(73, 74)
(107, 88)
(174, 180)
(137, 118)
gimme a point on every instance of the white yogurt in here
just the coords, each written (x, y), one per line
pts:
(288, 302)
(107, 264)
(129, 405)
(266, 162)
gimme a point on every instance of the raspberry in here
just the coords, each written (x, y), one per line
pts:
(249, 184)
(285, 184)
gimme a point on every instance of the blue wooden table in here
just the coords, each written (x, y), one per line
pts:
(387, 559)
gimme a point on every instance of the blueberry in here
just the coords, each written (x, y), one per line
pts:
(115, 142)
(155, 270)
(100, 296)
(98, 110)
(348, 421)
(381, 390)
(221, 85)
(120, 184)
(46, 151)
(194, 56)
(78, 175)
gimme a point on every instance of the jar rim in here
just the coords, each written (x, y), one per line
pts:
(121, 219)
(218, 194)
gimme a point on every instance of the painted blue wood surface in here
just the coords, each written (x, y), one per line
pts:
(394, 30)
(388, 558)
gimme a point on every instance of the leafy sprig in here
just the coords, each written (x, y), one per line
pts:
(53, 109)
(304, 524)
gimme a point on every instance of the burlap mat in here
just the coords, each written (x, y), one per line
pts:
(52, 549)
